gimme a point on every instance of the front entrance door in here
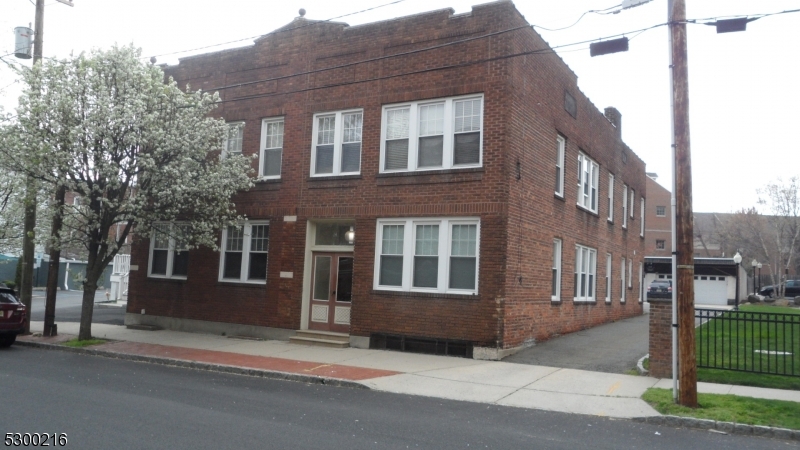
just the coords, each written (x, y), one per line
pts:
(331, 292)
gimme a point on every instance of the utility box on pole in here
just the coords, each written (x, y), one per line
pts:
(23, 42)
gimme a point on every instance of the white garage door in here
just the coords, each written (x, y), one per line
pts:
(710, 290)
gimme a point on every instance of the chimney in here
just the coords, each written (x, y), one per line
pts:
(615, 118)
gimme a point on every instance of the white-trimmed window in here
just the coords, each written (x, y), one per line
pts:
(608, 277)
(561, 148)
(630, 273)
(244, 253)
(661, 244)
(588, 172)
(233, 143)
(336, 143)
(610, 197)
(427, 255)
(641, 284)
(661, 211)
(432, 134)
(622, 281)
(633, 203)
(624, 206)
(641, 217)
(555, 288)
(585, 273)
(169, 255)
(271, 148)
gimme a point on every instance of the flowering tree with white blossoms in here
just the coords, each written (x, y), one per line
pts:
(136, 149)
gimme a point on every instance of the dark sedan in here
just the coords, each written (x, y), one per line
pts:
(660, 289)
(792, 289)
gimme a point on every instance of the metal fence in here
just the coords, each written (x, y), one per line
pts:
(748, 341)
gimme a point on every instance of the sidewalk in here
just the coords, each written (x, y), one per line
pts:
(491, 382)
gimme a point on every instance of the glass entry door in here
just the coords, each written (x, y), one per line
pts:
(331, 292)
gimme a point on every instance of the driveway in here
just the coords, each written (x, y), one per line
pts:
(612, 347)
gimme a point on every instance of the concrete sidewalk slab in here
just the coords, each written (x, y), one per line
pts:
(618, 407)
(594, 383)
(494, 374)
(413, 384)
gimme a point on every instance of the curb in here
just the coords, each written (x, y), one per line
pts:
(640, 365)
(722, 427)
(209, 367)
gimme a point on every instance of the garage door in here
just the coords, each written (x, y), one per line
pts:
(710, 290)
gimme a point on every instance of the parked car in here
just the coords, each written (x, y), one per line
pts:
(12, 316)
(792, 289)
(660, 289)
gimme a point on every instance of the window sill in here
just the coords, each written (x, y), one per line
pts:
(166, 279)
(332, 182)
(242, 283)
(584, 302)
(430, 176)
(594, 213)
(435, 295)
(262, 180)
(559, 197)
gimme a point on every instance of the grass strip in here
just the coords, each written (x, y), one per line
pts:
(729, 408)
(75, 343)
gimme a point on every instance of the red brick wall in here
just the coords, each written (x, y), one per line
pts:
(523, 109)
(661, 338)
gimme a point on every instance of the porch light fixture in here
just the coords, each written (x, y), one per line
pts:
(350, 236)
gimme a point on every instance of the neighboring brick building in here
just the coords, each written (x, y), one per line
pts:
(455, 165)
(658, 219)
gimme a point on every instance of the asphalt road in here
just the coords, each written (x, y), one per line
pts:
(103, 403)
(68, 308)
(612, 348)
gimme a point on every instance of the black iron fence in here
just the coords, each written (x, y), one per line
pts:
(748, 341)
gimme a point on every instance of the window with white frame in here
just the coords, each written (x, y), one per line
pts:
(244, 253)
(630, 273)
(661, 211)
(169, 255)
(660, 244)
(561, 147)
(622, 281)
(624, 206)
(429, 135)
(233, 142)
(633, 203)
(555, 290)
(588, 172)
(427, 255)
(608, 277)
(641, 284)
(610, 197)
(271, 148)
(585, 273)
(337, 143)
(641, 217)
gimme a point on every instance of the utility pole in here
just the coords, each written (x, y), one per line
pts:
(682, 187)
(26, 288)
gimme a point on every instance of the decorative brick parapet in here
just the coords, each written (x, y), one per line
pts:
(660, 337)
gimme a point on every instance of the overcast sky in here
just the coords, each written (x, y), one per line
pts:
(743, 87)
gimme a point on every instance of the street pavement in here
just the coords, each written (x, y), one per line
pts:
(101, 403)
(488, 382)
(68, 308)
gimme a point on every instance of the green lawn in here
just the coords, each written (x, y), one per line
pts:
(75, 343)
(729, 408)
(763, 339)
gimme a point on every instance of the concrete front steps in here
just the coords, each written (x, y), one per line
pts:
(321, 339)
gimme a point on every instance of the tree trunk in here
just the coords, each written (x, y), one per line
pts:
(89, 289)
(55, 258)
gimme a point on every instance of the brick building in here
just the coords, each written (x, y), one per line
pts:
(658, 219)
(436, 182)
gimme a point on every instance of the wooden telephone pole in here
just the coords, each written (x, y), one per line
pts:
(684, 236)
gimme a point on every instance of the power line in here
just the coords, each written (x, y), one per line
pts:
(595, 11)
(277, 31)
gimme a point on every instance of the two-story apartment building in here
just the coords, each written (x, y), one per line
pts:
(436, 182)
